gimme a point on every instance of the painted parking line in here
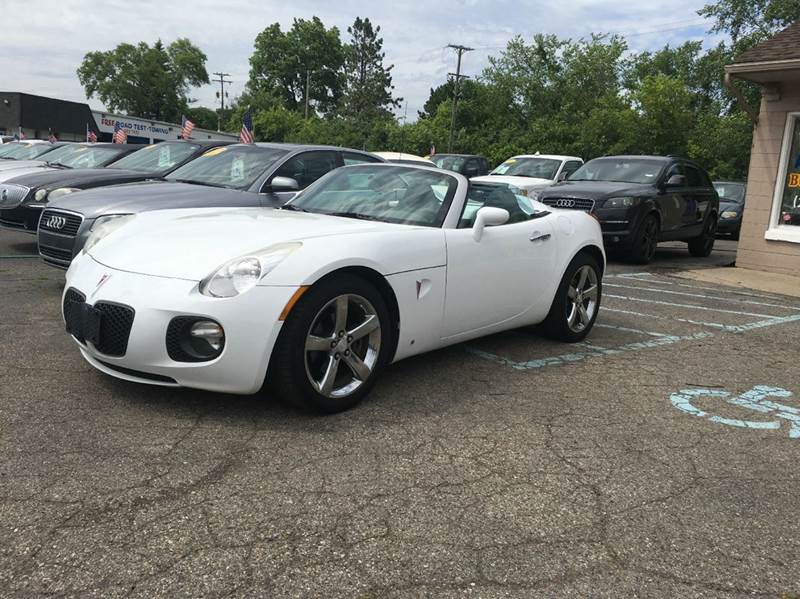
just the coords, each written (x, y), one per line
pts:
(665, 280)
(705, 297)
(713, 325)
(692, 306)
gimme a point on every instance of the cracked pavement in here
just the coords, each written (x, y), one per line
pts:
(507, 467)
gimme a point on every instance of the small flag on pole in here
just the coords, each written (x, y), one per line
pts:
(433, 149)
(187, 127)
(246, 135)
(51, 137)
(91, 136)
(120, 136)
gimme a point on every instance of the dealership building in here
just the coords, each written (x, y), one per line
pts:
(36, 117)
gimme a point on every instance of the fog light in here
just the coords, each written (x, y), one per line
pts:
(210, 332)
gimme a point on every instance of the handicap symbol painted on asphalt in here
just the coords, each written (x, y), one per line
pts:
(755, 400)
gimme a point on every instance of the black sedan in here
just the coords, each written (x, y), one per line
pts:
(731, 207)
(261, 174)
(151, 162)
(16, 190)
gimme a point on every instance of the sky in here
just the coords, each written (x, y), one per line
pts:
(41, 52)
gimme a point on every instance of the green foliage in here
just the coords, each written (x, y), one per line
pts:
(283, 63)
(750, 21)
(202, 117)
(143, 80)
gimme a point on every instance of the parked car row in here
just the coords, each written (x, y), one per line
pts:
(228, 267)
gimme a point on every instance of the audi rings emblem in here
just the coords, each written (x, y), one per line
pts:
(55, 222)
(565, 203)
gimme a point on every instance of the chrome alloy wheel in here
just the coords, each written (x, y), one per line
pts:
(582, 298)
(342, 345)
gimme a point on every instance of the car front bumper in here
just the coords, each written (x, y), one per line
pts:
(250, 321)
(22, 218)
(728, 226)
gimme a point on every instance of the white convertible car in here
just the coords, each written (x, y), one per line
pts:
(369, 265)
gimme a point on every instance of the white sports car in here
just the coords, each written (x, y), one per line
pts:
(370, 265)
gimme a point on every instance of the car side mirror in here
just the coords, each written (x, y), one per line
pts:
(488, 217)
(284, 184)
(676, 181)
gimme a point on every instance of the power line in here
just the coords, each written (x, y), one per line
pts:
(460, 50)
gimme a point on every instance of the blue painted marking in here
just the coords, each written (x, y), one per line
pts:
(754, 400)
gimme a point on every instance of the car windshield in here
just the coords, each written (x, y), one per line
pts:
(23, 151)
(236, 167)
(540, 168)
(449, 162)
(622, 170)
(733, 192)
(82, 156)
(157, 158)
(392, 194)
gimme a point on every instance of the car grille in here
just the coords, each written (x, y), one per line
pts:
(50, 254)
(12, 196)
(63, 223)
(569, 203)
(115, 327)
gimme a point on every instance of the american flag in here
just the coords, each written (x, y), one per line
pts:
(246, 135)
(187, 127)
(91, 136)
(433, 149)
(119, 137)
(52, 138)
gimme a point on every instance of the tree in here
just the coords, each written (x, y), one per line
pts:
(283, 63)
(202, 117)
(149, 82)
(750, 21)
(368, 83)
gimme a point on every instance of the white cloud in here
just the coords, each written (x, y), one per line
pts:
(41, 52)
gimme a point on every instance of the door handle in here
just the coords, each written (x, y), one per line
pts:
(535, 236)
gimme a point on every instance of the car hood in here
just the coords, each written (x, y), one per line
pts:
(521, 182)
(82, 177)
(133, 198)
(11, 164)
(728, 205)
(11, 174)
(190, 244)
(593, 190)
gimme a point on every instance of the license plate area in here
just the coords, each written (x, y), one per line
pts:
(84, 322)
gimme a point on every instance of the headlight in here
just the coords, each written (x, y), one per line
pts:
(57, 193)
(40, 195)
(103, 227)
(243, 273)
(730, 214)
(620, 202)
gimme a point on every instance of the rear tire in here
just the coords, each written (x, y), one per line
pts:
(701, 246)
(577, 302)
(644, 245)
(332, 346)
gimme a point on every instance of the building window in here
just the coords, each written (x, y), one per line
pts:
(785, 221)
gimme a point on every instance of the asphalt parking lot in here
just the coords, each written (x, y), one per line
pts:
(657, 459)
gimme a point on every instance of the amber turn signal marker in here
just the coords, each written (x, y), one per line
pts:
(292, 301)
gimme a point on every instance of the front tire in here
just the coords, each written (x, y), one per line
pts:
(332, 346)
(577, 302)
(644, 245)
(701, 246)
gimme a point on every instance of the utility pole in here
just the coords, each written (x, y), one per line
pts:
(221, 95)
(308, 78)
(457, 79)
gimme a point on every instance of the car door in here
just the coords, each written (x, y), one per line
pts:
(502, 275)
(305, 168)
(672, 203)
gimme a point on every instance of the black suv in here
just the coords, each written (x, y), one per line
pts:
(641, 200)
(469, 165)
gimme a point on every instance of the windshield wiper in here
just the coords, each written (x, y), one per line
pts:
(357, 215)
(56, 165)
(206, 183)
(293, 208)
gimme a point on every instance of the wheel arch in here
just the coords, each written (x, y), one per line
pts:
(377, 280)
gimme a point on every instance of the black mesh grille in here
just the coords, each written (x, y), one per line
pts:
(115, 328)
(115, 323)
(61, 257)
(570, 203)
(64, 223)
(72, 301)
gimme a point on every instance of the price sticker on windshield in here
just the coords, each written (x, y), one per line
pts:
(794, 180)
(163, 156)
(237, 169)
